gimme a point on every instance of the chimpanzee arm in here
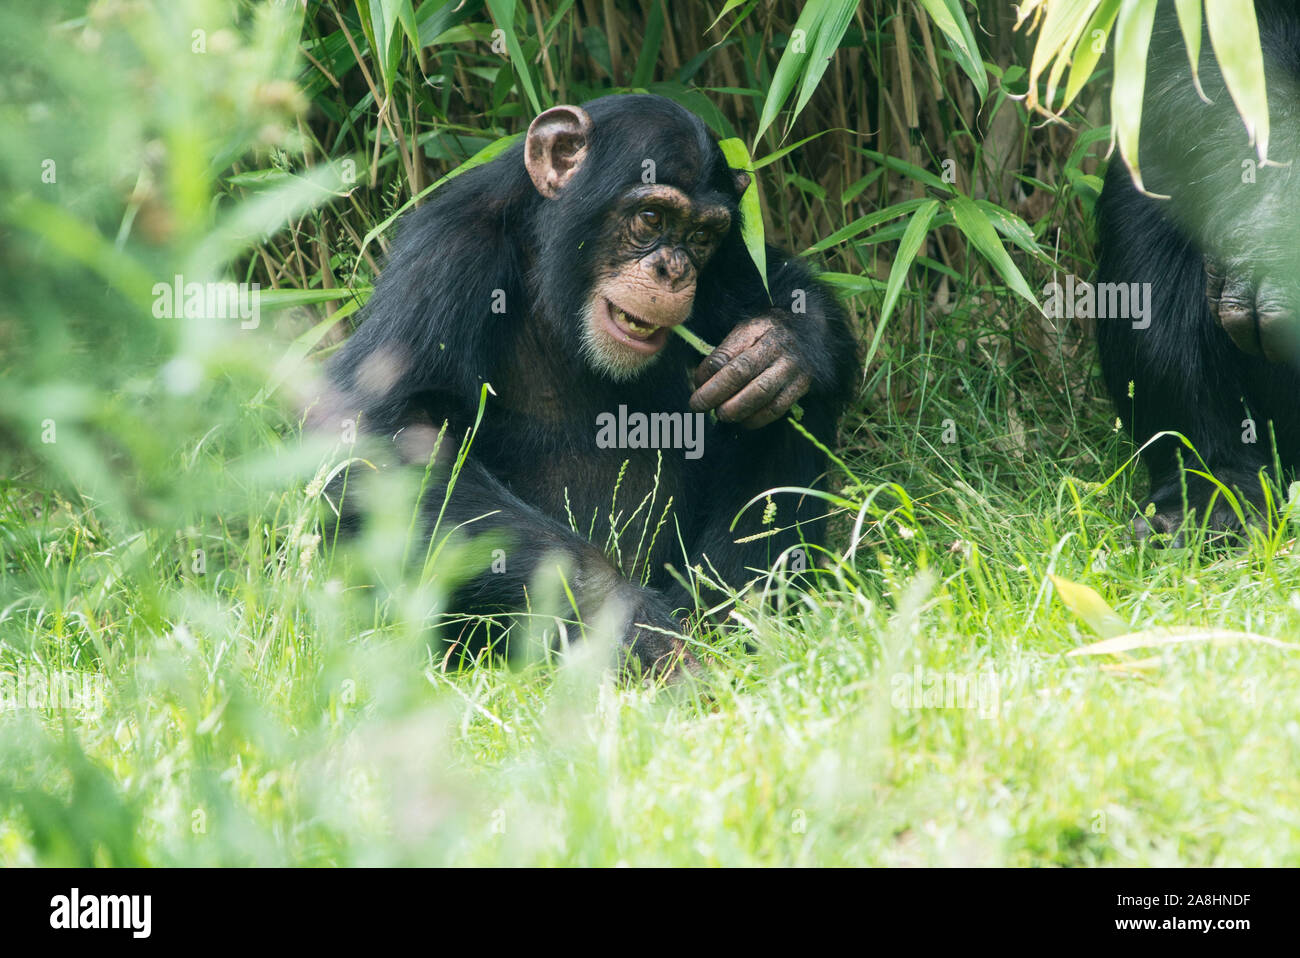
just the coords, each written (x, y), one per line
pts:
(1239, 213)
(804, 328)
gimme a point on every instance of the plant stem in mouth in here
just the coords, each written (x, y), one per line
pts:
(699, 345)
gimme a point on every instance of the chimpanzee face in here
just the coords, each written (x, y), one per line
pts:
(657, 241)
(653, 241)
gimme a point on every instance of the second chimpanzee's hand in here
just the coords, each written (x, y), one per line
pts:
(1259, 313)
(754, 375)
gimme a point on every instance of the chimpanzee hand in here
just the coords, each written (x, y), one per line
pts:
(1259, 313)
(754, 375)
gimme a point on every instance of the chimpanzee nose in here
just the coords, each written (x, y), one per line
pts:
(673, 268)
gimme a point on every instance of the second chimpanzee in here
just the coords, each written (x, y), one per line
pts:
(555, 273)
(1217, 358)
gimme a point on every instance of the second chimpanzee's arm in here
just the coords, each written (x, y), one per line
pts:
(1240, 214)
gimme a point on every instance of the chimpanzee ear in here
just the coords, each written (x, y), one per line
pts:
(742, 180)
(556, 147)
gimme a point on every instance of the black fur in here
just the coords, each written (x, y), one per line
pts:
(534, 460)
(1185, 372)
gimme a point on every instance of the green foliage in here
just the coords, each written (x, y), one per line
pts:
(816, 35)
(750, 212)
(1073, 34)
(949, 17)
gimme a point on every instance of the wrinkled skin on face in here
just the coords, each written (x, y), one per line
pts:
(658, 240)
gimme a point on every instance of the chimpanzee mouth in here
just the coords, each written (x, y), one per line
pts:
(634, 332)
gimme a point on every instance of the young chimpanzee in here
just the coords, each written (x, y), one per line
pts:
(555, 273)
(1216, 359)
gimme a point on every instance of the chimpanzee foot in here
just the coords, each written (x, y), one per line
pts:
(1261, 315)
(1170, 519)
(652, 648)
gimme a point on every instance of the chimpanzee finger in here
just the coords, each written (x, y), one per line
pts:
(779, 406)
(757, 394)
(726, 382)
(738, 341)
(1214, 278)
(1276, 316)
(1237, 313)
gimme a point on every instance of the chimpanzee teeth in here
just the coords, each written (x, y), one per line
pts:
(631, 323)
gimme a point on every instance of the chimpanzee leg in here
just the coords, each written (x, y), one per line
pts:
(480, 505)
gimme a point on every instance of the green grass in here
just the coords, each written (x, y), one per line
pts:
(284, 708)
(269, 700)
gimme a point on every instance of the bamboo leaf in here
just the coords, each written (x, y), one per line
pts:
(777, 154)
(830, 31)
(726, 9)
(503, 14)
(864, 223)
(654, 34)
(911, 171)
(791, 65)
(403, 11)
(1234, 34)
(1088, 51)
(913, 237)
(751, 213)
(488, 152)
(1062, 21)
(1085, 603)
(977, 227)
(1012, 227)
(1132, 39)
(1189, 22)
(274, 299)
(1177, 635)
(852, 282)
(951, 20)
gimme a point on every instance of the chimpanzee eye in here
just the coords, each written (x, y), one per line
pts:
(652, 218)
(701, 237)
